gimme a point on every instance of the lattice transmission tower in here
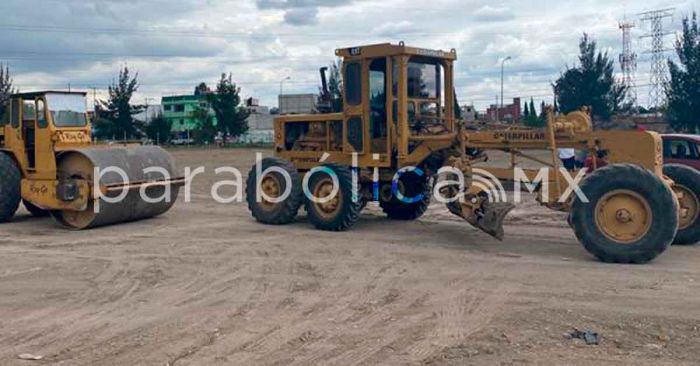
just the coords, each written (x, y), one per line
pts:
(659, 67)
(628, 63)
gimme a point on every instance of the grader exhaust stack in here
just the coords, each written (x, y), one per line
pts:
(48, 160)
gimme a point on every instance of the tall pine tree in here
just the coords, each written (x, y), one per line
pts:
(684, 90)
(114, 118)
(6, 88)
(592, 83)
(231, 116)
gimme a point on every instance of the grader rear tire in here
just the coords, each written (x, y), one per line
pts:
(274, 185)
(337, 212)
(414, 186)
(687, 189)
(35, 211)
(10, 187)
(631, 216)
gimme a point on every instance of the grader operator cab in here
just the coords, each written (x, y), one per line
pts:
(397, 137)
(48, 161)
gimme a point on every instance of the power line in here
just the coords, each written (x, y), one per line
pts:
(628, 62)
(659, 68)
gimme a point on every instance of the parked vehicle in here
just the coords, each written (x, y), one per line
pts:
(682, 149)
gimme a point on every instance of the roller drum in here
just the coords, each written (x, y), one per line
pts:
(134, 162)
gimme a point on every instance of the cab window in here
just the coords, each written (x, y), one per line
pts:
(29, 110)
(377, 97)
(680, 149)
(67, 110)
(353, 83)
(15, 113)
(4, 114)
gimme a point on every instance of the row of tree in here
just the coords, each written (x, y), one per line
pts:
(115, 117)
(592, 82)
(533, 119)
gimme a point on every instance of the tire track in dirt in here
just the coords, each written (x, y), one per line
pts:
(465, 313)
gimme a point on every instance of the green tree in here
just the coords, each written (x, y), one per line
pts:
(526, 111)
(6, 88)
(231, 116)
(543, 113)
(204, 131)
(202, 89)
(532, 119)
(684, 89)
(115, 116)
(592, 83)
(159, 129)
(335, 86)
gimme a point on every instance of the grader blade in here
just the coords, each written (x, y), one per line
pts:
(491, 216)
(487, 218)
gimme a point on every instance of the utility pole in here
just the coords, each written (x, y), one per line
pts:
(628, 63)
(148, 118)
(282, 84)
(503, 63)
(659, 68)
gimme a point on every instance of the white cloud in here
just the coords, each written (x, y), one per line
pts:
(391, 28)
(488, 13)
(176, 44)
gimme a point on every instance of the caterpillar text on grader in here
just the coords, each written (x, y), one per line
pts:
(48, 160)
(399, 112)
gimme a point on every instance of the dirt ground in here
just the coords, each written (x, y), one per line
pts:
(206, 285)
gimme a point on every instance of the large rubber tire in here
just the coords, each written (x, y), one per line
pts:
(281, 213)
(10, 187)
(413, 185)
(689, 181)
(346, 211)
(626, 178)
(35, 211)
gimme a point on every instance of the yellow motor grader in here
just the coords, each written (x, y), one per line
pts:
(397, 139)
(48, 161)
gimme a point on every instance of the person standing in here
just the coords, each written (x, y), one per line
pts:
(568, 158)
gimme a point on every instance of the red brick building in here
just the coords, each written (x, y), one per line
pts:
(509, 113)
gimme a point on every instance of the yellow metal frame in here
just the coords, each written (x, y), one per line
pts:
(39, 182)
(398, 133)
(568, 131)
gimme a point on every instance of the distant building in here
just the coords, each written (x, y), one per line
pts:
(297, 103)
(260, 124)
(509, 113)
(179, 110)
(260, 118)
(149, 113)
(469, 113)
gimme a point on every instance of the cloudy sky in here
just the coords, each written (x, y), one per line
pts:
(175, 44)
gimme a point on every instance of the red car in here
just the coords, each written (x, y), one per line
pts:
(682, 149)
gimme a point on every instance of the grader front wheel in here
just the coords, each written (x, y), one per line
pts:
(630, 217)
(687, 189)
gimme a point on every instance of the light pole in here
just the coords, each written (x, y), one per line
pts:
(282, 83)
(503, 63)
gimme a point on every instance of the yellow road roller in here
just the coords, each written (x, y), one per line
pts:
(48, 161)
